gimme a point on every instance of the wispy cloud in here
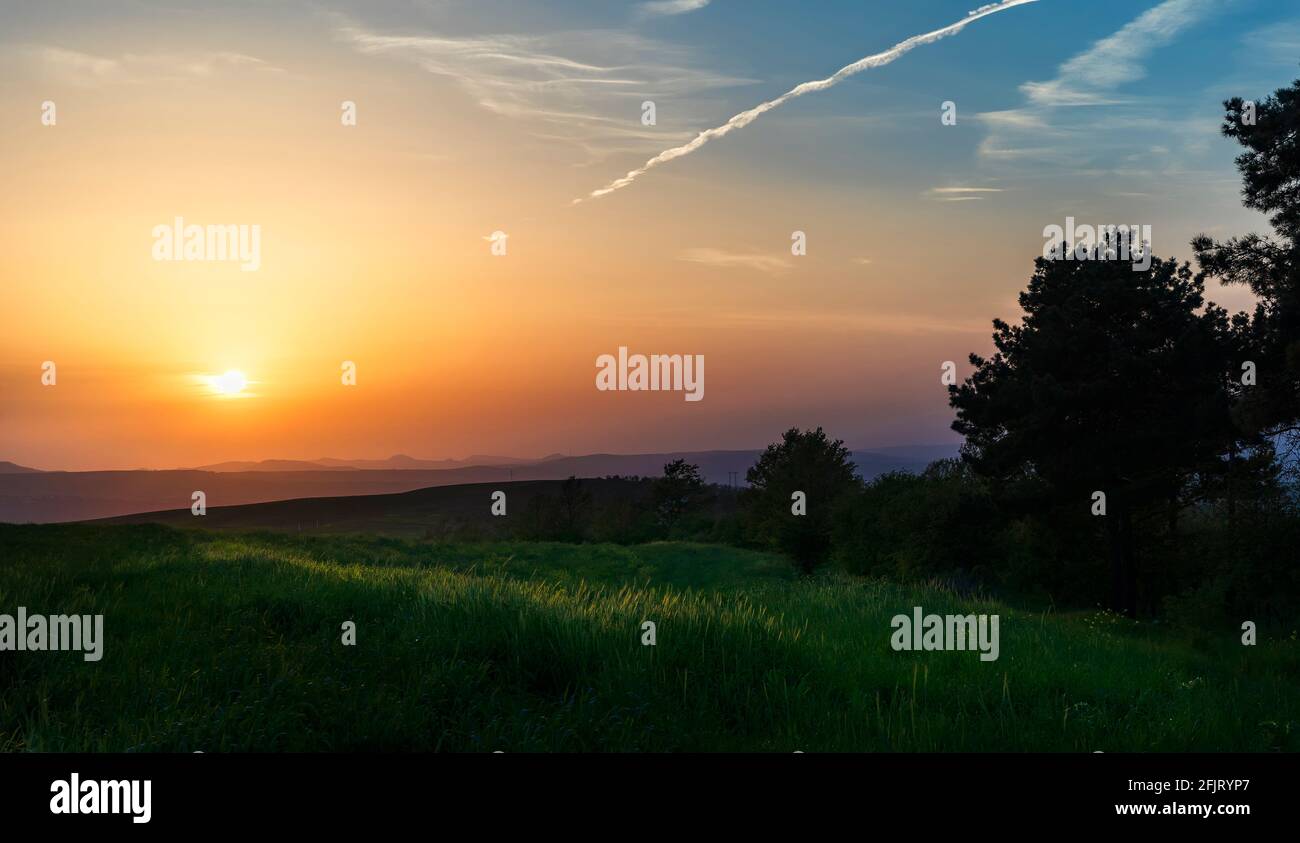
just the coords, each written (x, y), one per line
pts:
(671, 7)
(744, 118)
(1060, 113)
(87, 70)
(73, 65)
(960, 194)
(583, 88)
(1013, 118)
(734, 260)
(1275, 44)
(957, 194)
(1091, 76)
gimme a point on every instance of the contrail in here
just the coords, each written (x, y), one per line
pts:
(744, 118)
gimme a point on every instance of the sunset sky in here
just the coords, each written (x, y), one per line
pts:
(475, 116)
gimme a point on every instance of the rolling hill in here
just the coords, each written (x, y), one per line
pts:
(436, 511)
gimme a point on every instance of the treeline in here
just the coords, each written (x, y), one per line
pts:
(1204, 566)
(1216, 563)
(678, 506)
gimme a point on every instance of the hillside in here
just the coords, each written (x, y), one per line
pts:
(231, 642)
(438, 511)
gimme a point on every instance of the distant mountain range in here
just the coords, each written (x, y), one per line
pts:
(397, 462)
(29, 495)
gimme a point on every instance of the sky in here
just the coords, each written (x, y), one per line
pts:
(478, 116)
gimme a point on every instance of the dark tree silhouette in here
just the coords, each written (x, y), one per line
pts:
(1116, 381)
(1270, 266)
(679, 493)
(803, 461)
(575, 501)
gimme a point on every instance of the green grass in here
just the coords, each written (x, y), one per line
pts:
(231, 642)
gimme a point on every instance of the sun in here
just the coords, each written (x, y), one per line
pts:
(231, 383)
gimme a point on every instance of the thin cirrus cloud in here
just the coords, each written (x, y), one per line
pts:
(87, 70)
(1060, 113)
(1277, 44)
(1090, 77)
(744, 118)
(585, 88)
(671, 7)
(734, 260)
(960, 194)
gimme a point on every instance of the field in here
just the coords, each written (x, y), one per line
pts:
(227, 642)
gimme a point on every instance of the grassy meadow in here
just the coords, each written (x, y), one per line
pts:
(227, 642)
